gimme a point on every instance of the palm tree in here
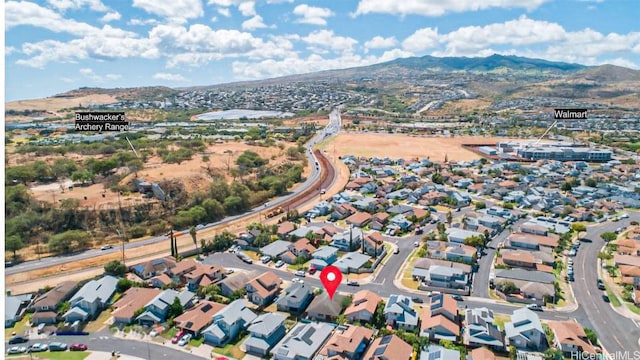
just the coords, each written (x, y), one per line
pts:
(192, 232)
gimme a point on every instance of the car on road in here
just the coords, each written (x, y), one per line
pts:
(353, 283)
(17, 350)
(601, 285)
(38, 347)
(534, 307)
(416, 244)
(247, 259)
(57, 346)
(199, 227)
(417, 300)
(618, 230)
(279, 263)
(106, 247)
(605, 298)
(312, 270)
(624, 216)
(572, 252)
(570, 277)
(18, 339)
(178, 336)
(297, 280)
(78, 347)
(230, 271)
(184, 340)
(323, 191)
(396, 250)
(457, 297)
(300, 273)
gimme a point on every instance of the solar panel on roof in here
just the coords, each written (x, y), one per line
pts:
(385, 340)
(306, 337)
(206, 308)
(434, 355)
(189, 324)
(380, 350)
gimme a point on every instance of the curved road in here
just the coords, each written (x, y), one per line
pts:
(332, 128)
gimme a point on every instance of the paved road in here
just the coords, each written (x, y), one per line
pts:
(105, 341)
(481, 278)
(332, 127)
(616, 332)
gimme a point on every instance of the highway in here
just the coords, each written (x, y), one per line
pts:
(333, 127)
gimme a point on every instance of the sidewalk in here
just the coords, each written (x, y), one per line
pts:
(102, 355)
(203, 350)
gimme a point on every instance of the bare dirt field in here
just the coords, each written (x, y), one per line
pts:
(54, 104)
(409, 147)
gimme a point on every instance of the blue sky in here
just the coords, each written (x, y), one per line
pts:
(52, 46)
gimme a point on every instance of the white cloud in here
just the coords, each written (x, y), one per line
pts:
(312, 15)
(64, 5)
(394, 54)
(279, 1)
(247, 8)
(8, 50)
(169, 77)
(141, 22)
(379, 42)
(623, 62)
(253, 23)
(179, 11)
(213, 19)
(89, 74)
(111, 16)
(327, 39)
(224, 12)
(440, 7)
(421, 40)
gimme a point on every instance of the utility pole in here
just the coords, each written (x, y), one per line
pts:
(121, 224)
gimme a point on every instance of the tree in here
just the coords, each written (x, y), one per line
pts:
(83, 176)
(591, 182)
(591, 335)
(72, 239)
(193, 233)
(566, 186)
(513, 352)
(13, 243)
(345, 301)
(553, 354)
(475, 241)
(507, 287)
(175, 309)
(609, 236)
(123, 285)
(449, 218)
(480, 205)
(115, 267)
(578, 228)
(437, 179)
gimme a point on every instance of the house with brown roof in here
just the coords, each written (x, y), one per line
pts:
(160, 281)
(529, 241)
(235, 282)
(46, 305)
(348, 342)
(569, 337)
(302, 247)
(132, 300)
(481, 353)
(199, 317)
(374, 243)
(322, 308)
(204, 275)
(263, 289)
(389, 347)
(439, 318)
(285, 228)
(363, 306)
(182, 268)
(359, 219)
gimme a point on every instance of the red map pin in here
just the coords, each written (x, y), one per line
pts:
(331, 277)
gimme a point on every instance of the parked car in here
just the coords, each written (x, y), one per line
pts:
(230, 271)
(185, 340)
(78, 347)
(457, 297)
(17, 350)
(178, 336)
(18, 339)
(572, 252)
(247, 259)
(38, 347)
(312, 270)
(605, 298)
(416, 244)
(396, 250)
(300, 273)
(279, 263)
(601, 285)
(353, 283)
(265, 259)
(57, 346)
(417, 300)
(534, 307)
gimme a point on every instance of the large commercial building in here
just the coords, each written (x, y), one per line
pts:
(565, 154)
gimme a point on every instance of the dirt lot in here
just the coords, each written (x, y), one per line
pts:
(409, 147)
(54, 104)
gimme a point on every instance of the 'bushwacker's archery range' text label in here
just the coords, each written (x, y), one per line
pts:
(101, 121)
(569, 114)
